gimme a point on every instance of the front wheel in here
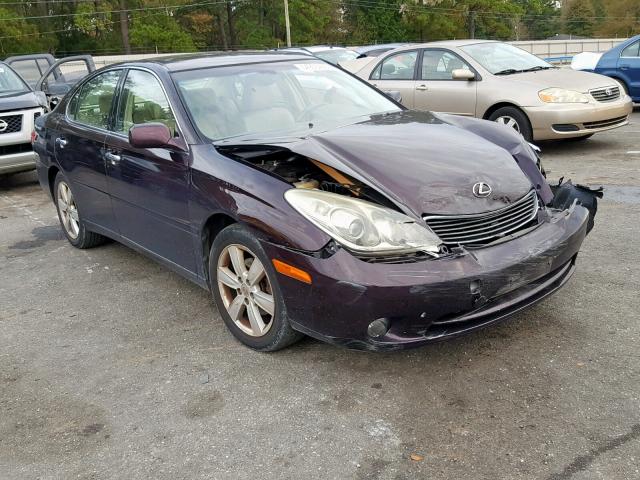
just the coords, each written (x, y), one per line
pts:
(245, 288)
(70, 220)
(514, 118)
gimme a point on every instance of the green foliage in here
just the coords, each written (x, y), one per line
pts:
(96, 26)
(159, 32)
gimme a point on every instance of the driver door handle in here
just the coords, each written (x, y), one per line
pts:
(61, 142)
(422, 87)
(112, 158)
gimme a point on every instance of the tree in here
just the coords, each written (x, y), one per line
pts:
(578, 18)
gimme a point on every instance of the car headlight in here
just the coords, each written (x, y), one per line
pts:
(361, 226)
(560, 95)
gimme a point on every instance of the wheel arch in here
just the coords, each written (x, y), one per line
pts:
(214, 224)
(500, 105)
(52, 173)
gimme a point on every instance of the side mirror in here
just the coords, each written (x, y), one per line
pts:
(154, 135)
(395, 95)
(462, 74)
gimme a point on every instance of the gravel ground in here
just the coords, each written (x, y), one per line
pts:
(112, 367)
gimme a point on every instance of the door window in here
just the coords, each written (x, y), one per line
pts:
(631, 50)
(143, 101)
(400, 66)
(92, 104)
(440, 64)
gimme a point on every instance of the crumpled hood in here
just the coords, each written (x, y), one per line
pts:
(422, 162)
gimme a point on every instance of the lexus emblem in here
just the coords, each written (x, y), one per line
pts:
(3, 125)
(481, 189)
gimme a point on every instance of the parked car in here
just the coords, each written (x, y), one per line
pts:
(327, 53)
(375, 50)
(53, 77)
(500, 82)
(19, 107)
(307, 201)
(621, 63)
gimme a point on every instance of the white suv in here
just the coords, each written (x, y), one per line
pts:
(19, 107)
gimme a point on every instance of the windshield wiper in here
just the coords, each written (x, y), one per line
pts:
(536, 68)
(508, 71)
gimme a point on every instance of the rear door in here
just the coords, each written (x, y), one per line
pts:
(397, 72)
(79, 146)
(437, 91)
(149, 187)
(629, 68)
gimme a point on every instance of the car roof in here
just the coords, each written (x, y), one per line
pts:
(176, 63)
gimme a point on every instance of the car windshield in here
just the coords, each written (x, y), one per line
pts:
(336, 55)
(505, 59)
(268, 100)
(10, 82)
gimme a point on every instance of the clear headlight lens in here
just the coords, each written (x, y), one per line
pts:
(560, 95)
(362, 226)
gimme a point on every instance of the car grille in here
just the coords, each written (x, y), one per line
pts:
(484, 228)
(14, 123)
(605, 123)
(606, 94)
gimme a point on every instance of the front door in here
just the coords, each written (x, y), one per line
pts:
(149, 187)
(437, 91)
(629, 67)
(79, 147)
(397, 73)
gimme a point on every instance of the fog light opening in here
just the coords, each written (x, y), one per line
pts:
(378, 328)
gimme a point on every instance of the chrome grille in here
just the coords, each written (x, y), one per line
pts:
(483, 228)
(11, 123)
(606, 94)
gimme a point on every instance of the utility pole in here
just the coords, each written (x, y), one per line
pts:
(286, 22)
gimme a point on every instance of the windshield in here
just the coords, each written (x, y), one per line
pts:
(504, 58)
(10, 82)
(265, 100)
(336, 55)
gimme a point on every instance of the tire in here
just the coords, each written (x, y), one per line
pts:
(520, 120)
(71, 221)
(242, 297)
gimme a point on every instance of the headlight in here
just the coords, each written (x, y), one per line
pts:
(560, 95)
(362, 226)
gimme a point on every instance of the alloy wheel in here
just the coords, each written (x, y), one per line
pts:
(509, 122)
(68, 210)
(245, 290)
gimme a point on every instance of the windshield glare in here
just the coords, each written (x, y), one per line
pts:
(10, 81)
(497, 57)
(276, 99)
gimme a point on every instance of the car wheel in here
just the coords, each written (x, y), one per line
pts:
(245, 288)
(70, 220)
(515, 118)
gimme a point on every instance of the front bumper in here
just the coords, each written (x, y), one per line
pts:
(17, 162)
(430, 300)
(554, 121)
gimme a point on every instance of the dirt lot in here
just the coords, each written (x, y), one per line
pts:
(111, 367)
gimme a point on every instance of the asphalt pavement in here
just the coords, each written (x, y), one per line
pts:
(112, 367)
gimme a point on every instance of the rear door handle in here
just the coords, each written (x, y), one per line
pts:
(112, 158)
(624, 67)
(422, 87)
(61, 142)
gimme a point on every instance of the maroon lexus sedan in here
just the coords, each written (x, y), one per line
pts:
(309, 202)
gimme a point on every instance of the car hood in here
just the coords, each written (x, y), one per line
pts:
(561, 78)
(18, 101)
(422, 162)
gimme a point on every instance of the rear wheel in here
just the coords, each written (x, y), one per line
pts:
(514, 118)
(72, 224)
(244, 286)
